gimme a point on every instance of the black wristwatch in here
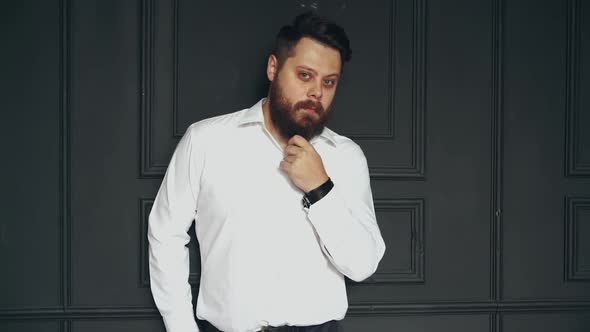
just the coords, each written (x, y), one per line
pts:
(316, 194)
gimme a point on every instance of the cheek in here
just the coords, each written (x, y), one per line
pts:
(290, 84)
(294, 92)
(328, 99)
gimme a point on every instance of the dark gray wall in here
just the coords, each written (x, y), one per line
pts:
(474, 116)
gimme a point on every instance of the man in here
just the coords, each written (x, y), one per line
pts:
(282, 205)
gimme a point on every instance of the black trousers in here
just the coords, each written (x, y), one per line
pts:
(330, 326)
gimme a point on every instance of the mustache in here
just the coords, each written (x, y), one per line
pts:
(316, 105)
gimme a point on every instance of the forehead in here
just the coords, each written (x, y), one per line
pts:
(309, 53)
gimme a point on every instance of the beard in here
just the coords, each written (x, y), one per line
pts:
(283, 114)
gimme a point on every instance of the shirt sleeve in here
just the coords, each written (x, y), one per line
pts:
(171, 216)
(345, 220)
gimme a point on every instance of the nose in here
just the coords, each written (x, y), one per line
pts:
(315, 90)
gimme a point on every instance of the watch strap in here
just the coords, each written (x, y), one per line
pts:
(316, 194)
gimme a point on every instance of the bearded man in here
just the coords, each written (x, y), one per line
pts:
(282, 205)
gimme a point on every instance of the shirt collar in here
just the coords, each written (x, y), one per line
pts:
(255, 115)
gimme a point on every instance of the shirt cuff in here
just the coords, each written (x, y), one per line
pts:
(181, 322)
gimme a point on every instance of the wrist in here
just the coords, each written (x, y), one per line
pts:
(316, 194)
(316, 184)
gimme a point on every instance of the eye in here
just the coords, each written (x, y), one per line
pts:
(304, 76)
(330, 82)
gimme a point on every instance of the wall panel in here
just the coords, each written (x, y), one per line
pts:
(30, 228)
(561, 321)
(104, 150)
(28, 326)
(123, 325)
(424, 322)
(537, 245)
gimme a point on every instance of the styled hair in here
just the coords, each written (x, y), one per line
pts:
(311, 25)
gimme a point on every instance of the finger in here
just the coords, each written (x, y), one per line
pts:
(299, 141)
(290, 158)
(292, 150)
(285, 166)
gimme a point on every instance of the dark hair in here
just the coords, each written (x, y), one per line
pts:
(310, 24)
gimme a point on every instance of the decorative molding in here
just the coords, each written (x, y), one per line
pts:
(423, 308)
(145, 206)
(544, 305)
(573, 166)
(392, 172)
(495, 322)
(175, 44)
(106, 312)
(419, 89)
(415, 168)
(148, 169)
(45, 325)
(497, 150)
(65, 154)
(573, 205)
(415, 274)
(355, 309)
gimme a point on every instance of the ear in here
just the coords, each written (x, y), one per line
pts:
(272, 67)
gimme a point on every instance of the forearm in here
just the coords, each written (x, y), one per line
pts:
(172, 214)
(350, 236)
(169, 271)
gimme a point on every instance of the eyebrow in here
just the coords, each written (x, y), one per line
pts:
(315, 72)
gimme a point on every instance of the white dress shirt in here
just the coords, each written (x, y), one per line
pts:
(265, 260)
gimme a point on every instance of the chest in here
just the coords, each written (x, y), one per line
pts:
(243, 172)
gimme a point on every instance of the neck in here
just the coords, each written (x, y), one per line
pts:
(270, 125)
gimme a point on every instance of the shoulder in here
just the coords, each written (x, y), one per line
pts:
(214, 126)
(344, 145)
